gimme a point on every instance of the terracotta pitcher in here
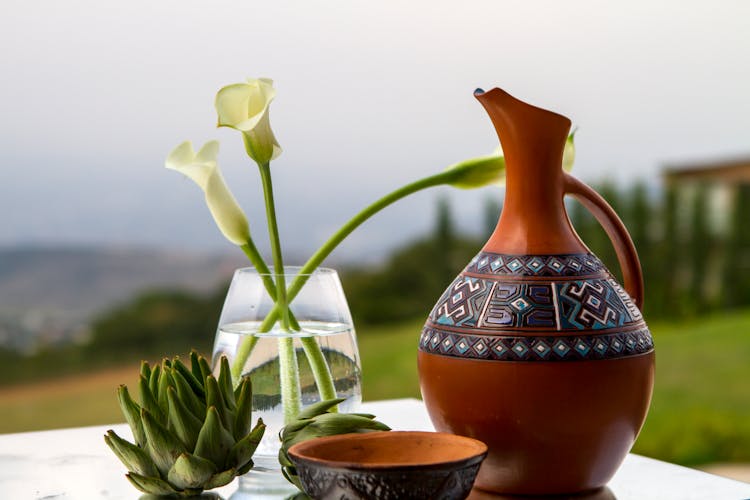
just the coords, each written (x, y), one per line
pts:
(535, 348)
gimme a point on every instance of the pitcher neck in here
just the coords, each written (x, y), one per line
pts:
(534, 219)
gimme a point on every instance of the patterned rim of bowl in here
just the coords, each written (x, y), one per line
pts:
(467, 451)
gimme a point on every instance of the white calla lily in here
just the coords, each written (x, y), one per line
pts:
(245, 107)
(203, 169)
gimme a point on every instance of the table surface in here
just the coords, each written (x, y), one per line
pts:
(76, 464)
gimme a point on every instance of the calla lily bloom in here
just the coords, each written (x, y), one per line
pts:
(244, 107)
(485, 170)
(203, 169)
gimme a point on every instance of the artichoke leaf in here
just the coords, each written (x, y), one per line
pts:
(290, 473)
(238, 390)
(244, 413)
(204, 367)
(221, 479)
(184, 424)
(319, 408)
(153, 380)
(148, 401)
(134, 458)
(132, 413)
(330, 424)
(179, 369)
(151, 485)
(195, 367)
(190, 471)
(214, 441)
(162, 445)
(342, 423)
(243, 450)
(165, 380)
(145, 369)
(215, 398)
(296, 426)
(245, 468)
(284, 460)
(186, 394)
(225, 383)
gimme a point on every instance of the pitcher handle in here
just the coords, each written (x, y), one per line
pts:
(618, 235)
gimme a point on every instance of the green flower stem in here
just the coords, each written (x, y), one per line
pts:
(273, 232)
(248, 344)
(244, 350)
(289, 371)
(254, 255)
(255, 258)
(288, 368)
(320, 369)
(318, 257)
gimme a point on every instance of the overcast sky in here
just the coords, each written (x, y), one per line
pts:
(371, 95)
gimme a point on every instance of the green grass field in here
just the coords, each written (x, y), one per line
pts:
(700, 411)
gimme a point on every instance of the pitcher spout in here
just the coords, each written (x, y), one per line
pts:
(529, 135)
(533, 142)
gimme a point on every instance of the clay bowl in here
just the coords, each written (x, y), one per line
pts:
(388, 465)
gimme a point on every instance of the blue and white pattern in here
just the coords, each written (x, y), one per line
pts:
(535, 307)
(592, 305)
(461, 303)
(520, 305)
(536, 348)
(579, 264)
(491, 303)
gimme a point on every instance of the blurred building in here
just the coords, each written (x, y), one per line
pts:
(721, 179)
(728, 172)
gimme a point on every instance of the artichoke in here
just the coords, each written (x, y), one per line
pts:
(192, 431)
(317, 421)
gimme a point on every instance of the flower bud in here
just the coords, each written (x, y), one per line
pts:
(485, 170)
(478, 172)
(569, 153)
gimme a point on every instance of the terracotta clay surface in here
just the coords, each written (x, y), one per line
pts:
(550, 430)
(388, 465)
(389, 449)
(535, 348)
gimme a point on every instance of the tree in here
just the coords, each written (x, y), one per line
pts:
(492, 209)
(736, 279)
(639, 220)
(413, 278)
(602, 245)
(444, 240)
(591, 232)
(669, 255)
(699, 249)
(161, 322)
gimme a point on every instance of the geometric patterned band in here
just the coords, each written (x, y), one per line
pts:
(536, 348)
(493, 303)
(578, 264)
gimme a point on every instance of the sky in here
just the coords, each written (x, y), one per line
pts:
(370, 96)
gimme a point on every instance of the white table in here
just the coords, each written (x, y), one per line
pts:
(76, 464)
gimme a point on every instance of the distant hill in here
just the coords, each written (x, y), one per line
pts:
(52, 292)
